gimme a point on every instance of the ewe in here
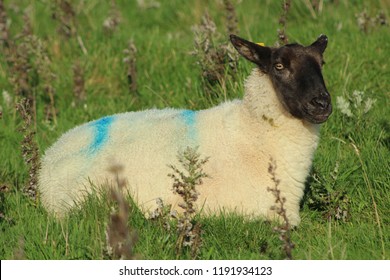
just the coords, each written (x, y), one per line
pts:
(285, 100)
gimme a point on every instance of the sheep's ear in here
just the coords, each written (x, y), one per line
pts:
(320, 44)
(253, 52)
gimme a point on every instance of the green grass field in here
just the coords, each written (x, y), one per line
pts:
(346, 210)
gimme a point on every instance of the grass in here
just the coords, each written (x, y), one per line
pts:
(345, 212)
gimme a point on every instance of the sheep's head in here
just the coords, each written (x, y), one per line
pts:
(295, 72)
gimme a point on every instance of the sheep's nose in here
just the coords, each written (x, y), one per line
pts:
(321, 101)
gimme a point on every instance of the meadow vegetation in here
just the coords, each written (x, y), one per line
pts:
(66, 62)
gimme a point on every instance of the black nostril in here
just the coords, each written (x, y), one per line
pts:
(320, 102)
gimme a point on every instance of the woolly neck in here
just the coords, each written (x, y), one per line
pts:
(261, 99)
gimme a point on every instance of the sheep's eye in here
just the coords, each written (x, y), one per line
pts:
(279, 66)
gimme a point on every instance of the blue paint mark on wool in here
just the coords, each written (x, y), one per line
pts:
(189, 118)
(101, 133)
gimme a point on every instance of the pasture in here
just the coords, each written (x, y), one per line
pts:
(64, 63)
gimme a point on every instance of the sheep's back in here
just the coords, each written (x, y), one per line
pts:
(141, 143)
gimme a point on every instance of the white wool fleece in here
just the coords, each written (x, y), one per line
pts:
(240, 137)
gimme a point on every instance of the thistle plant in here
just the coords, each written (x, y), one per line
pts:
(64, 13)
(20, 67)
(355, 104)
(284, 230)
(4, 28)
(366, 23)
(3, 190)
(43, 66)
(111, 23)
(163, 214)
(325, 196)
(215, 56)
(354, 107)
(30, 71)
(231, 17)
(282, 35)
(120, 238)
(30, 149)
(79, 93)
(185, 185)
(130, 60)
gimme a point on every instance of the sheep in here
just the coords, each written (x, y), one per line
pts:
(278, 118)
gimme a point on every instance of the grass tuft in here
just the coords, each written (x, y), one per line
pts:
(370, 190)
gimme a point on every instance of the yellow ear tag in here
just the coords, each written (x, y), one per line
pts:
(260, 44)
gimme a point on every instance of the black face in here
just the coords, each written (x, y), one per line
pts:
(295, 72)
